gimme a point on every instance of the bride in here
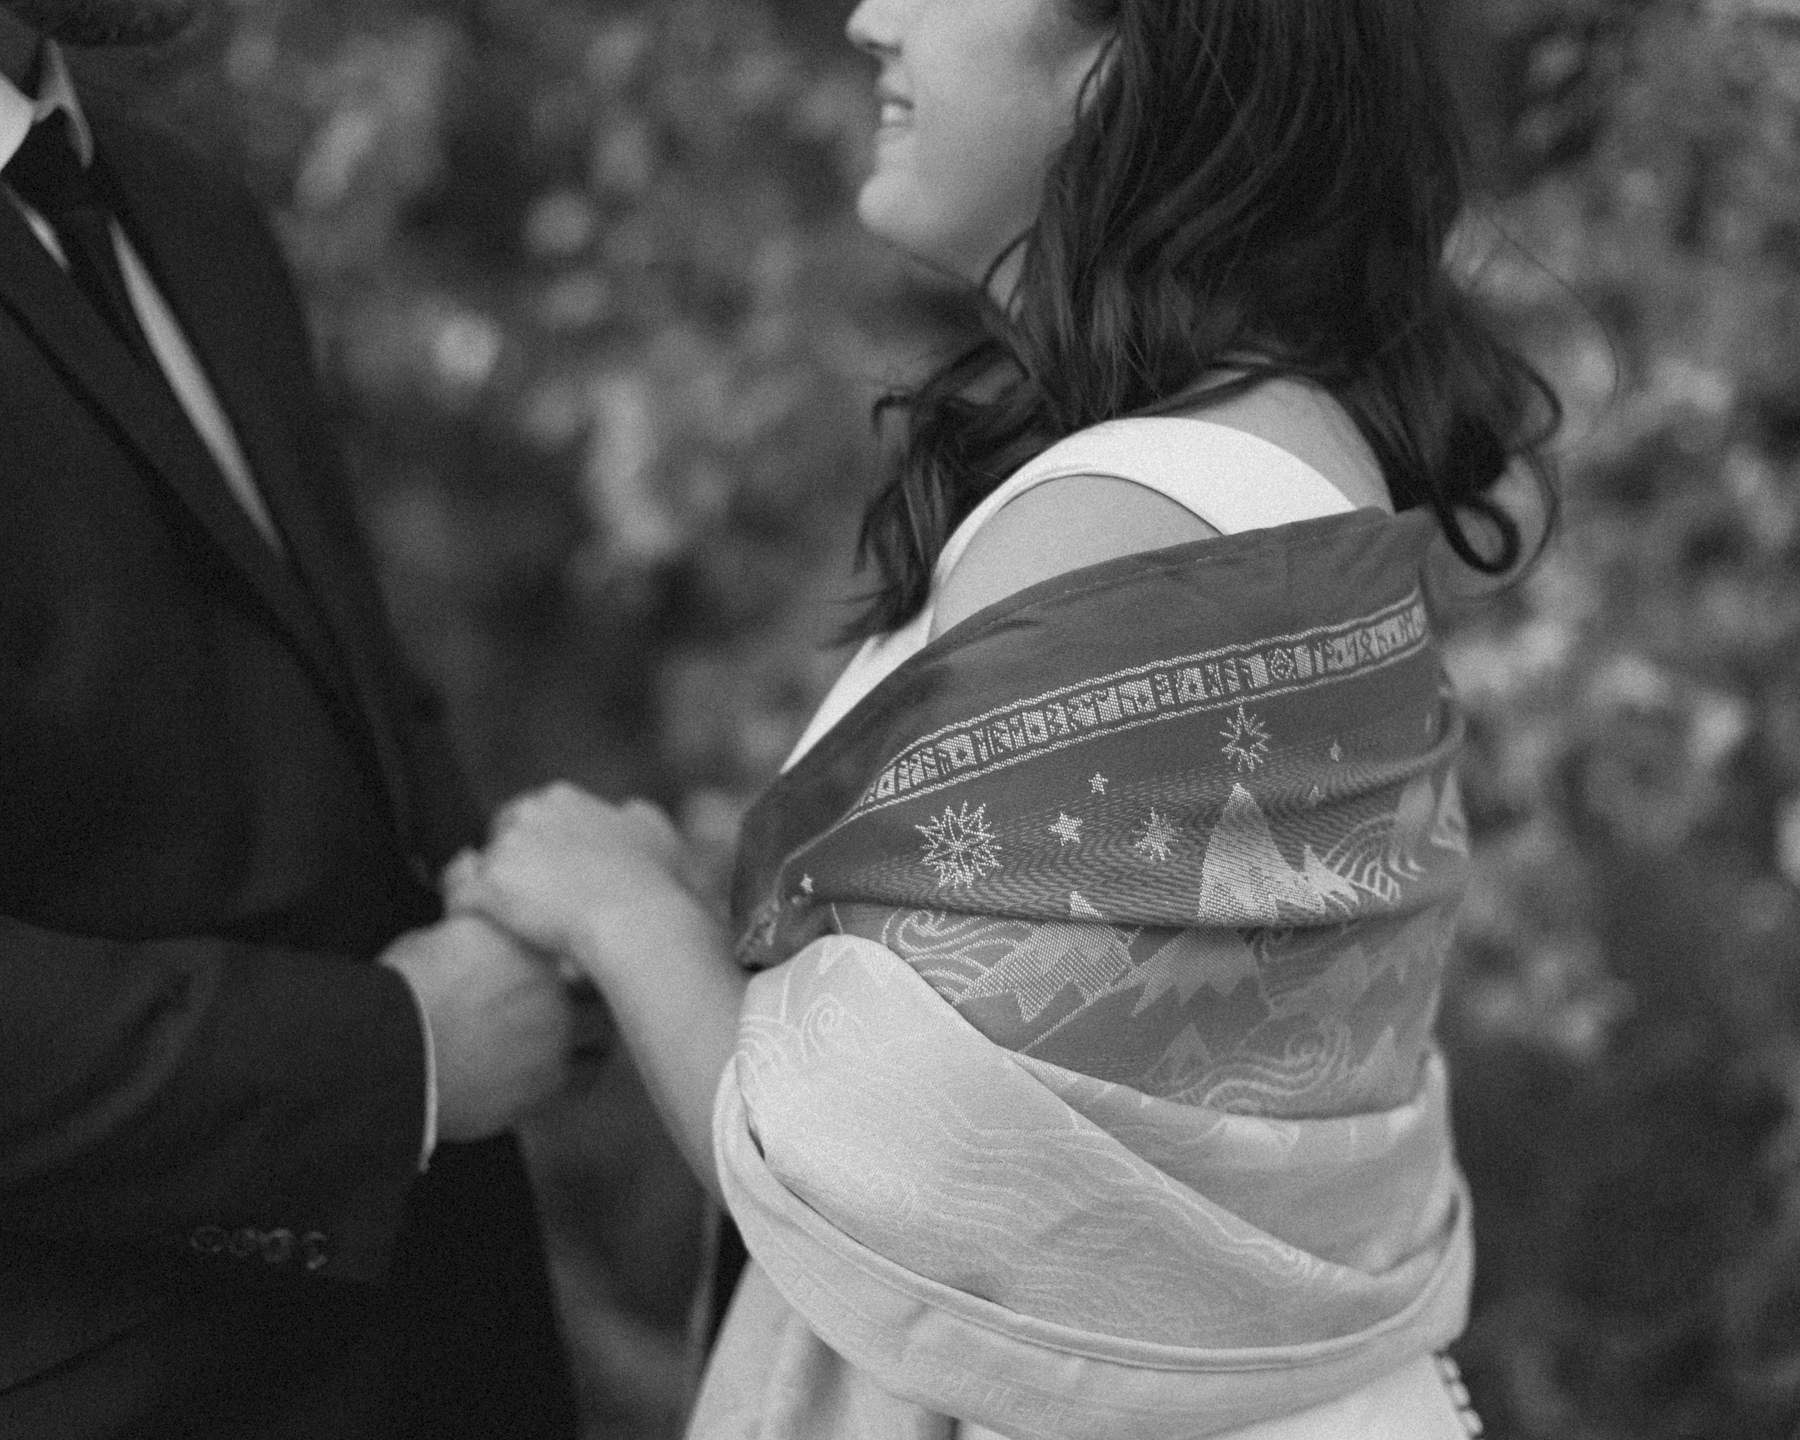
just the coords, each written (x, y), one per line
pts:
(1066, 1064)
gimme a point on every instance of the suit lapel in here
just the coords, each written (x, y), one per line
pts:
(144, 411)
(166, 220)
(307, 597)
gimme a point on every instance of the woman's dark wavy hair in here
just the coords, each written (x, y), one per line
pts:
(1253, 188)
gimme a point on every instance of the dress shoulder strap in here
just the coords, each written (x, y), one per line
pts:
(1232, 480)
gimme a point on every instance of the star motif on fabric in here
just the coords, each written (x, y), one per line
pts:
(959, 847)
(1246, 741)
(1098, 783)
(806, 885)
(1068, 828)
(1337, 752)
(1158, 836)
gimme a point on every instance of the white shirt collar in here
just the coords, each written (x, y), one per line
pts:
(55, 91)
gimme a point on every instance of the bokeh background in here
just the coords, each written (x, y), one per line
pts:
(602, 336)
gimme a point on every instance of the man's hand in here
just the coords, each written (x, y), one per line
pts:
(599, 886)
(500, 1022)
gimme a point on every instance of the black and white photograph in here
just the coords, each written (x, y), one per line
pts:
(899, 719)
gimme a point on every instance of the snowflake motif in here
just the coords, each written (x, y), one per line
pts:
(1337, 752)
(1158, 836)
(1068, 828)
(1246, 741)
(1098, 783)
(959, 847)
(806, 885)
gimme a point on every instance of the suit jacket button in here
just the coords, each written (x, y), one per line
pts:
(208, 1239)
(243, 1243)
(312, 1249)
(278, 1246)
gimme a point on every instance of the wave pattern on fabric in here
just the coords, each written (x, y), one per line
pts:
(972, 1233)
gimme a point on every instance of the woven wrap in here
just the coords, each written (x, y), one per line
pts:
(1245, 744)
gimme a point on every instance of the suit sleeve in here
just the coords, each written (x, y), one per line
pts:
(207, 1103)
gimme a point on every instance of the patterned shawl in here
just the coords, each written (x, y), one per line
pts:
(1003, 1181)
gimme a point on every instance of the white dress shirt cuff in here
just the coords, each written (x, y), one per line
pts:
(429, 1143)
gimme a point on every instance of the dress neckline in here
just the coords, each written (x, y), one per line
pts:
(1157, 452)
(1154, 451)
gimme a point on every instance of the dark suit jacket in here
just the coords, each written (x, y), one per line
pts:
(221, 795)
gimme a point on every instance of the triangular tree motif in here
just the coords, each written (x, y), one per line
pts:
(1381, 854)
(1217, 959)
(1245, 880)
(1081, 908)
(1330, 995)
(1185, 1060)
(1413, 819)
(1383, 1069)
(1421, 939)
(1333, 887)
(1046, 960)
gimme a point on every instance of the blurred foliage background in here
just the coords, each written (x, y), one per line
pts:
(603, 334)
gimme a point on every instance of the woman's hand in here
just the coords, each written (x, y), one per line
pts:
(602, 887)
(596, 884)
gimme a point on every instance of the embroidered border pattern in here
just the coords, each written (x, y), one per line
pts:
(1189, 684)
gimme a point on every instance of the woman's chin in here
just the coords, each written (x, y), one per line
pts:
(888, 210)
(881, 206)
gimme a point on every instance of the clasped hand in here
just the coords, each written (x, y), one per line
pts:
(593, 884)
(568, 886)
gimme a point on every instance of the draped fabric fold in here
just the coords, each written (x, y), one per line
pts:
(1206, 797)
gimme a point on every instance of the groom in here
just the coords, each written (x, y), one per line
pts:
(254, 1177)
